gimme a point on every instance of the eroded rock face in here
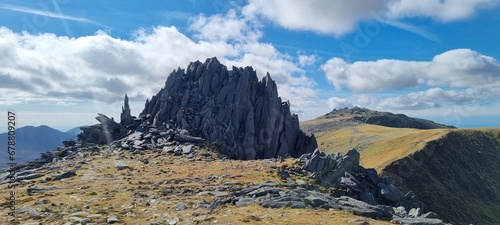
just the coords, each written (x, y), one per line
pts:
(329, 168)
(344, 173)
(231, 109)
(103, 133)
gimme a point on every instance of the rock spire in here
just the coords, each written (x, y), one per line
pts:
(125, 116)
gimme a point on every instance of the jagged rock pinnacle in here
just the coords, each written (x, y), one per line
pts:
(125, 116)
(244, 117)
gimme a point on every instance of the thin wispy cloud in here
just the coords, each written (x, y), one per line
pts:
(414, 29)
(45, 13)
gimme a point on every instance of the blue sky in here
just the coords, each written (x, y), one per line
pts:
(62, 62)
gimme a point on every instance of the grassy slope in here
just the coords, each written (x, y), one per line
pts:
(457, 176)
(104, 190)
(378, 145)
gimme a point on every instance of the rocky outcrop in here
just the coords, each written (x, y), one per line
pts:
(230, 110)
(108, 130)
(329, 168)
(363, 189)
(234, 111)
(104, 133)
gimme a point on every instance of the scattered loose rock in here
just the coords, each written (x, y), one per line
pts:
(120, 165)
(65, 175)
(112, 219)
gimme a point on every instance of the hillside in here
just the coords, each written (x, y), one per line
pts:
(32, 141)
(378, 145)
(456, 176)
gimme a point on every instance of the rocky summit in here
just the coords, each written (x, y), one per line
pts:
(242, 117)
(229, 110)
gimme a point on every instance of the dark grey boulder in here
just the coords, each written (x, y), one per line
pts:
(30, 176)
(315, 201)
(364, 209)
(368, 198)
(33, 190)
(418, 221)
(180, 207)
(65, 175)
(121, 165)
(243, 201)
(112, 219)
(390, 192)
(328, 169)
(188, 138)
(187, 149)
(264, 191)
(279, 203)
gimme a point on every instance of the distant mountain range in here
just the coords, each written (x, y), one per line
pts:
(32, 141)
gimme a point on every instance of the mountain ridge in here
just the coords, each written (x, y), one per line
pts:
(357, 115)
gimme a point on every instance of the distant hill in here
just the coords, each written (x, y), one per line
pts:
(31, 141)
(75, 131)
(339, 118)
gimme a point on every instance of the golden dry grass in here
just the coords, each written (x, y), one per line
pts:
(378, 145)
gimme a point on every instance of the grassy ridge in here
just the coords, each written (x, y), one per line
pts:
(368, 116)
(378, 145)
(457, 176)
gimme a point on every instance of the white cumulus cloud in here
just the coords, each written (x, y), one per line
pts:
(455, 77)
(325, 16)
(224, 27)
(307, 60)
(339, 17)
(455, 68)
(100, 67)
(442, 11)
(339, 103)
